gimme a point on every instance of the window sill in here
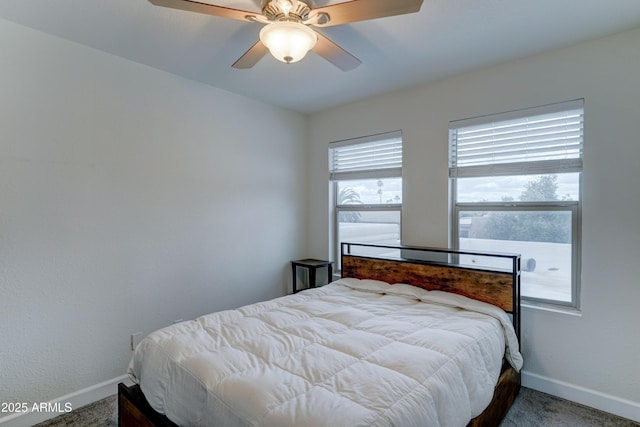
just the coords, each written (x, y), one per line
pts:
(571, 311)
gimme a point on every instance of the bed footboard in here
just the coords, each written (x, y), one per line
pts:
(505, 393)
(134, 410)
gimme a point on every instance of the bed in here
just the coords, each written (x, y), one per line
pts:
(407, 336)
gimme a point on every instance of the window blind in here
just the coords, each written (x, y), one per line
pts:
(376, 156)
(541, 140)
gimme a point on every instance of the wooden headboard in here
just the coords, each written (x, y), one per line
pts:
(485, 276)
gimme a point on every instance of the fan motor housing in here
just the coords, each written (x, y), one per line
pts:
(299, 9)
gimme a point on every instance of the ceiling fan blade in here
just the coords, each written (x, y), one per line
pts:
(252, 56)
(362, 10)
(209, 9)
(335, 54)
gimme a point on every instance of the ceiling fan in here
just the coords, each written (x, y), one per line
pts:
(287, 33)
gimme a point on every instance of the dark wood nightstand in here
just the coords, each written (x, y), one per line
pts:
(312, 266)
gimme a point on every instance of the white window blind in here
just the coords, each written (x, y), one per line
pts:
(376, 156)
(541, 140)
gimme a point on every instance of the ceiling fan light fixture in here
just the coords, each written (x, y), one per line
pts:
(288, 41)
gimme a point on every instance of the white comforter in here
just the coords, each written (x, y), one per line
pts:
(352, 353)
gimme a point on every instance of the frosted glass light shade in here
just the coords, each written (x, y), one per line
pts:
(288, 41)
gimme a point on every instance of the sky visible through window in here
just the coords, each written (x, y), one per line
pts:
(501, 188)
(375, 191)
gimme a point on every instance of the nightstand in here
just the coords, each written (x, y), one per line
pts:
(312, 266)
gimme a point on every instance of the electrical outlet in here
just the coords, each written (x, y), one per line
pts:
(135, 339)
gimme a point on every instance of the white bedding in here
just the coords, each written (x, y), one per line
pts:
(352, 353)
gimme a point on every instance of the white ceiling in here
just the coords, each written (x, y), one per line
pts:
(446, 37)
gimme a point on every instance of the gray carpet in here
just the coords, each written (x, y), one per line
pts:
(535, 409)
(103, 413)
(531, 409)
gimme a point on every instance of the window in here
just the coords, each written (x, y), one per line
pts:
(366, 183)
(516, 187)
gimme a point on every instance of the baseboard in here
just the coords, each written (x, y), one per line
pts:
(73, 400)
(584, 396)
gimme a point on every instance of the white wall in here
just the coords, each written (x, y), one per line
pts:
(593, 357)
(129, 198)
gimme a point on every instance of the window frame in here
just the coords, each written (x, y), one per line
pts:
(387, 207)
(572, 206)
(373, 173)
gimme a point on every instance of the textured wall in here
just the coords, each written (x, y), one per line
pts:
(129, 198)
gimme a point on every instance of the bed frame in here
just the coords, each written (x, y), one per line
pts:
(489, 277)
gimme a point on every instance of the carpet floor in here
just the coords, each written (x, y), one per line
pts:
(531, 409)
